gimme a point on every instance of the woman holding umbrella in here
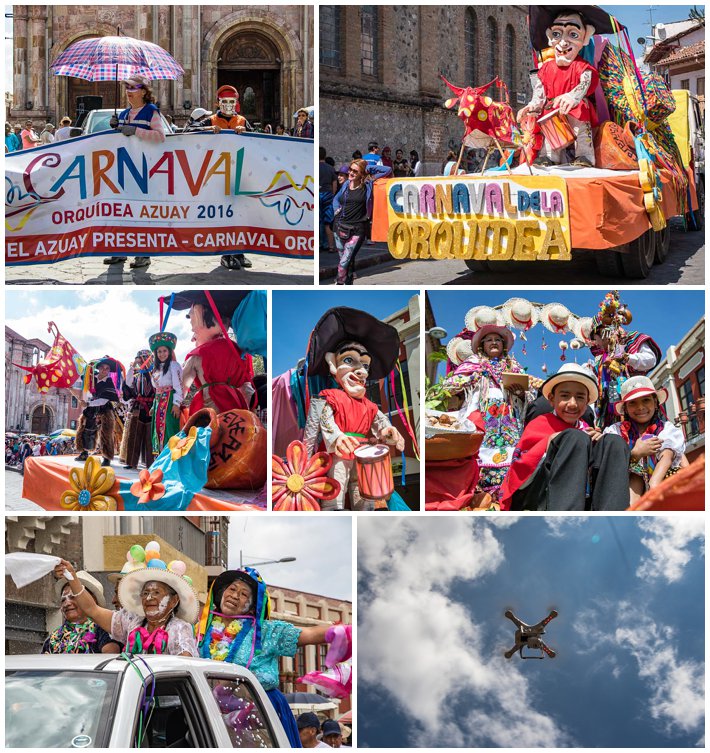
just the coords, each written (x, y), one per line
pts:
(141, 119)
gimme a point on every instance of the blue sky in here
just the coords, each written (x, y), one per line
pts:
(630, 633)
(665, 315)
(96, 321)
(295, 312)
(636, 19)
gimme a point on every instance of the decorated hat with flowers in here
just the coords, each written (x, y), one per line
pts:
(144, 565)
(162, 339)
(261, 602)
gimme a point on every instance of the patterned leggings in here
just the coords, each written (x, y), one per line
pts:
(347, 250)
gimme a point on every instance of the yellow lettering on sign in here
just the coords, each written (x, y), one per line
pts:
(419, 248)
(502, 240)
(443, 199)
(398, 240)
(554, 240)
(442, 238)
(526, 233)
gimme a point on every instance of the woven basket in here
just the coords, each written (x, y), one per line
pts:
(453, 446)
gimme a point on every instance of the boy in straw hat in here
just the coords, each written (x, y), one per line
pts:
(556, 452)
(656, 445)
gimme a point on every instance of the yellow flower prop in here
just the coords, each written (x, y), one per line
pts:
(89, 486)
(180, 446)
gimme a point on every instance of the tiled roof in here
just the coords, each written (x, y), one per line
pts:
(680, 54)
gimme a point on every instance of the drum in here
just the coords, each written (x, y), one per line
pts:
(374, 471)
(556, 130)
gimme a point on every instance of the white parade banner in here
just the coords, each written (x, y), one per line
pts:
(197, 193)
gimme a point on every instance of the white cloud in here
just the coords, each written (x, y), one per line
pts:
(677, 686)
(104, 321)
(668, 543)
(560, 525)
(426, 649)
(322, 546)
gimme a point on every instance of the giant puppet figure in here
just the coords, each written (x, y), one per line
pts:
(353, 347)
(566, 82)
(216, 366)
(618, 353)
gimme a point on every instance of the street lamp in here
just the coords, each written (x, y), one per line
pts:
(266, 562)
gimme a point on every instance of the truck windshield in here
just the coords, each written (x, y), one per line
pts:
(63, 709)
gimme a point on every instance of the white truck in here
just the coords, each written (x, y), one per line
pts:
(110, 701)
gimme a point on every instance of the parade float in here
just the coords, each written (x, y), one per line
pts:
(216, 460)
(590, 164)
(475, 411)
(333, 446)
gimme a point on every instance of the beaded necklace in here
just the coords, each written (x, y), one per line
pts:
(73, 638)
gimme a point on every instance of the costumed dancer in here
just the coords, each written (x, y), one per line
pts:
(140, 119)
(657, 445)
(98, 418)
(481, 379)
(566, 83)
(235, 627)
(159, 604)
(618, 354)
(139, 392)
(354, 347)
(227, 117)
(167, 380)
(216, 366)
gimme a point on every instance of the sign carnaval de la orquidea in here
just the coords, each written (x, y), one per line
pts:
(200, 194)
(511, 218)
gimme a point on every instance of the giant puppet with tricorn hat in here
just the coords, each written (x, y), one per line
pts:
(347, 349)
(353, 347)
(218, 377)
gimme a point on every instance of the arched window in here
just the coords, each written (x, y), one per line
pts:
(368, 44)
(492, 29)
(470, 28)
(329, 20)
(509, 52)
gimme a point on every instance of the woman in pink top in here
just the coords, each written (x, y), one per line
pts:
(142, 119)
(30, 139)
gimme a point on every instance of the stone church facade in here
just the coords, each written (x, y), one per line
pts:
(380, 65)
(265, 51)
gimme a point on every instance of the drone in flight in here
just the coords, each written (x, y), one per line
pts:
(528, 636)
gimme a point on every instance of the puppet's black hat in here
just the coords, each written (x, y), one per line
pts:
(226, 301)
(542, 16)
(341, 324)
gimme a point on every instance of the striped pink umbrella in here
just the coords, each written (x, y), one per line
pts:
(116, 59)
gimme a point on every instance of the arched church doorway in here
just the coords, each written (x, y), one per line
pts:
(41, 420)
(251, 63)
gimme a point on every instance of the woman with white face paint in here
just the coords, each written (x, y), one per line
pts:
(159, 608)
(235, 627)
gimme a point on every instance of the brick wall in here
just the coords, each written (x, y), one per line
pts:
(403, 106)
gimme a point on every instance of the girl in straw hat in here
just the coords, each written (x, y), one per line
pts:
(656, 444)
(160, 605)
(167, 380)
